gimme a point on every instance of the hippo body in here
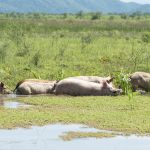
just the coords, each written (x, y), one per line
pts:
(95, 79)
(77, 87)
(33, 87)
(140, 80)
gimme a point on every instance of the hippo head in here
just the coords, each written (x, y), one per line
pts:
(109, 79)
(108, 89)
(3, 89)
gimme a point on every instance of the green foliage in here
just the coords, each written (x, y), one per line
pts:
(65, 15)
(57, 48)
(112, 113)
(80, 14)
(111, 17)
(36, 59)
(124, 16)
(97, 15)
(123, 81)
(137, 14)
(146, 37)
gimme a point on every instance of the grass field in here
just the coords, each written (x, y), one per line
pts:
(55, 47)
(112, 113)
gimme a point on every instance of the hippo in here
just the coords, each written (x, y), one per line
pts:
(95, 79)
(77, 87)
(3, 89)
(34, 86)
(140, 80)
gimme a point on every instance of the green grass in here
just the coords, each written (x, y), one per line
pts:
(74, 135)
(57, 48)
(52, 47)
(110, 113)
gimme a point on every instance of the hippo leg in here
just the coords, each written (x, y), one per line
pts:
(23, 91)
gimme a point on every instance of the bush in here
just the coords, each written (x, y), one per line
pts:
(124, 16)
(123, 81)
(96, 16)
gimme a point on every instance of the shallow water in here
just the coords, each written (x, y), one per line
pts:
(11, 104)
(47, 138)
(14, 105)
(12, 100)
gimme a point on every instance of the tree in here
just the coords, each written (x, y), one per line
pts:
(124, 16)
(80, 14)
(65, 15)
(96, 15)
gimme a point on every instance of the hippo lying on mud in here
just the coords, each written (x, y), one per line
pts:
(78, 87)
(3, 89)
(34, 86)
(140, 80)
(95, 79)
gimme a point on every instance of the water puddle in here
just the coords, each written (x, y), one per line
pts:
(48, 138)
(14, 105)
(11, 104)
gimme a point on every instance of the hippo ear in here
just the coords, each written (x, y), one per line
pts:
(104, 84)
(2, 84)
(110, 80)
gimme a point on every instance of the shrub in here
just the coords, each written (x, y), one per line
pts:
(97, 15)
(124, 16)
(123, 81)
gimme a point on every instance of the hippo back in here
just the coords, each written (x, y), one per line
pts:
(140, 80)
(77, 87)
(95, 79)
(33, 87)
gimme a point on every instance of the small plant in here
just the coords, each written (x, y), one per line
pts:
(60, 74)
(124, 83)
(36, 59)
(146, 37)
(22, 52)
(85, 40)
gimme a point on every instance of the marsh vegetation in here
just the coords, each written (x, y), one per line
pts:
(57, 46)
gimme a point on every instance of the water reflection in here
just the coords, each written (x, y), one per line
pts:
(47, 138)
(11, 104)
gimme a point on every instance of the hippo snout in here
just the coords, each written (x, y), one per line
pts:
(117, 92)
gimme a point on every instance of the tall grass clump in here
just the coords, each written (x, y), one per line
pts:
(123, 80)
(36, 59)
